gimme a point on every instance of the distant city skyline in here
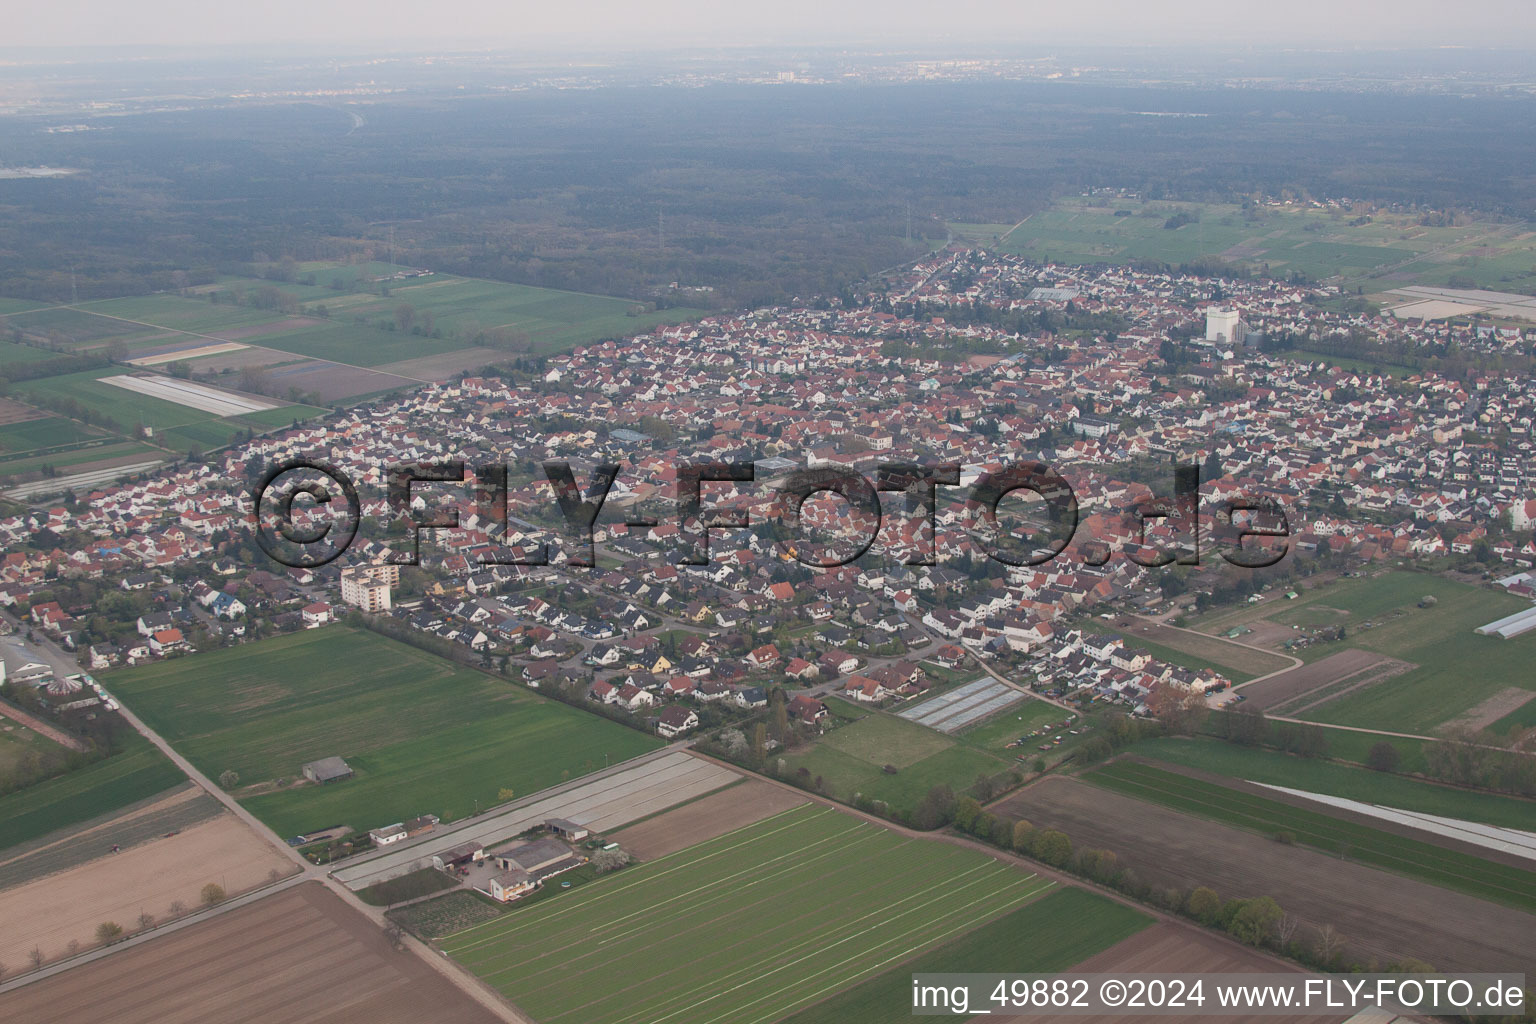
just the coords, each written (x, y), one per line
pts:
(1503, 24)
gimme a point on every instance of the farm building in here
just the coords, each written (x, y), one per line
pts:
(389, 834)
(540, 858)
(511, 884)
(567, 829)
(465, 853)
(425, 823)
(327, 769)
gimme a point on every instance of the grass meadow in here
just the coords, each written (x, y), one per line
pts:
(851, 760)
(422, 735)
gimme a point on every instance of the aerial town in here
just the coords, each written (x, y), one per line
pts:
(922, 680)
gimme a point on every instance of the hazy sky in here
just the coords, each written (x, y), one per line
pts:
(499, 24)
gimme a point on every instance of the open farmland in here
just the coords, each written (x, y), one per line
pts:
(32, 439)
(422, 734)
(1017, 723)
(1173, 947)
(1386, 614)
(300, 954)
(714, 815)
(174, 425)
(748, 927)
(462, 307)
(1198, 650)
(851, 759)
(50, 912)
(1284, 239)
(1378, 914)
(134, 773)
(1052, 933)
(1304, 686)
(1231, 761)
(1390, 851)
(141, 822)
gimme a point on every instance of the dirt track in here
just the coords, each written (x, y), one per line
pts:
(1381, 915)
(706, 818)
(48, 913)
(301, 955)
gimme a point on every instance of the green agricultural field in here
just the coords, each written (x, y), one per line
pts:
(1170, 656)
(17, 306)
(1281, 240)
(12, 354)
(173, 313)
(1343, 780)
(851, 760)
(749, 927)
(1348, 745)
(74, 328)
(45, 432)
(357, 344)
(176, 427)
(124, 452)
(1439, 640)
(994, 734)
(459, 308)
(1076, 924)
(1412, 858)
(1381, 613)
(422, 734)
(135, 772)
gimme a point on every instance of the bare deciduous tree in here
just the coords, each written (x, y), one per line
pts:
(1329, 944)
(395, 934)
(212, 893)
(36, 956)
(178, 908)
(1286, 929)
(146, 921)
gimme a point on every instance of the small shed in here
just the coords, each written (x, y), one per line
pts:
(465, 853)
(567, 829)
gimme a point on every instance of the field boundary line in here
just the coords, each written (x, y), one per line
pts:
(660, 860)
(652, 878)
(694, 925)
(815, 940)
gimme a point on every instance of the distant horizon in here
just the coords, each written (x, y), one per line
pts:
(584, 25)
